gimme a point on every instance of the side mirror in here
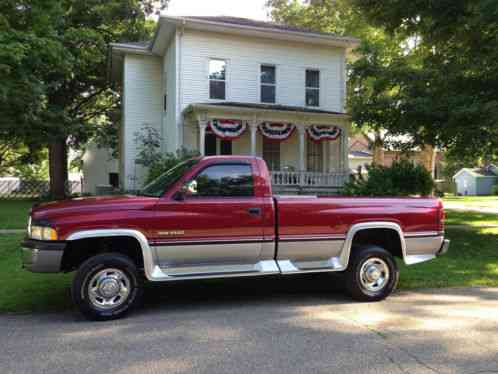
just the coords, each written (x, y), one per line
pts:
(189, 188)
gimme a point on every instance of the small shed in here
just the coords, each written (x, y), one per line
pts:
(476, 181)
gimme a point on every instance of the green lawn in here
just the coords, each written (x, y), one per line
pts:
(471, 261)
(458, 217)
(14, 213)
(472, 201)
(21, 290)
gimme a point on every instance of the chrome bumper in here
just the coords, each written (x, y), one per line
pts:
(42, 257)
(444, 247)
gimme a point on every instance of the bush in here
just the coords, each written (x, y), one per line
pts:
(495, 189)
(401, 179)
(148, 142)
(168, 161)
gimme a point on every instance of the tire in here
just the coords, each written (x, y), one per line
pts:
(364, 267)
(107, 286)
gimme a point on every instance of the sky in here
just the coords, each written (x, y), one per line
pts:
(254, 9)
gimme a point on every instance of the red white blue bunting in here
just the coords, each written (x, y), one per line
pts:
(276, 131)
(319, 133)
(227, 129)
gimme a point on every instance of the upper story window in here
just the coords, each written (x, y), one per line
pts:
(217, 79)
(268, 83)
(312, 87)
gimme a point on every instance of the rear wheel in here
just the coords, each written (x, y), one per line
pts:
(372, 274)
(107, 286)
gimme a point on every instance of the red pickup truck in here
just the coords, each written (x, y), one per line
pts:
(215, 217)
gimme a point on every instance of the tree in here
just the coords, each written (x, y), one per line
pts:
(53, 57)
(425, 68)
(450, 93)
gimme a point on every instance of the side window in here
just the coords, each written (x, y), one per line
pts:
(217, 79)
(227, 180)
(312, 88)
(268, 84)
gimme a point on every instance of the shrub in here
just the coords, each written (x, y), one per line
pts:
(168, 161)
(148, 142)
(402, 178)
(495, 189)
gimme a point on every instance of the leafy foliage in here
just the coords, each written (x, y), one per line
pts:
(53, 68)
(424, 68)
(149, 155)
(402, 178)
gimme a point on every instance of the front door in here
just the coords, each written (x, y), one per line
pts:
(218, 225)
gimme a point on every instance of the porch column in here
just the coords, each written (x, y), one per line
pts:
(301, 129)
(202, 136)
(253, 127)
(344, 148)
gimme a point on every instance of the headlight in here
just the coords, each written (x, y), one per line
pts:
(43, 233)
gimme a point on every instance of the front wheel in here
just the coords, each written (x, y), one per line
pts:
(106, 286)
(372, 274)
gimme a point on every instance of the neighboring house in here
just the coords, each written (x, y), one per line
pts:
(360, 153)
(477, 181)
(224, 85)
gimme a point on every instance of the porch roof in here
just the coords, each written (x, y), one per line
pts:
(268, 112)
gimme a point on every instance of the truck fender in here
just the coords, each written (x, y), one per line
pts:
(354, 229)
(106, 233)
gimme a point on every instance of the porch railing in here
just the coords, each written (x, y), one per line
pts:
(309, 179)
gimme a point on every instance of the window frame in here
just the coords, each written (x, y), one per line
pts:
(261, 84)
(226, 61)
(306, 87)
(232, 163)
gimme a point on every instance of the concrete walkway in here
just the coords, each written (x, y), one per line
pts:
(257, 327)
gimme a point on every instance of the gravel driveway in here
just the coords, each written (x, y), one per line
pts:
(264, 326)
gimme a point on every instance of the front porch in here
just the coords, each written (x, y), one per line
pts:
(301, 159)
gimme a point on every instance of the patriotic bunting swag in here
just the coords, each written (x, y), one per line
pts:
(319, 133)
(227, 129)
(276, 131)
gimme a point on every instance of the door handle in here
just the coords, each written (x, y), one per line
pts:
(254, 211)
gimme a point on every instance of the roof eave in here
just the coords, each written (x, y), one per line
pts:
(334, 41)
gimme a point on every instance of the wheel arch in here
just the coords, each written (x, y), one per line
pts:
(110, 234)
(359, 232)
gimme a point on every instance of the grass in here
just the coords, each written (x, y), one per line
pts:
(473, 201)
(14, 213)
(458, 217)
(471, 261)
(22, 291)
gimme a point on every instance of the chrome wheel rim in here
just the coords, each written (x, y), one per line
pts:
(109, 288)
(374, 274)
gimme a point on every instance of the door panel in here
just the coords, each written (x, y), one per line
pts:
(219, 221)
(210, 231)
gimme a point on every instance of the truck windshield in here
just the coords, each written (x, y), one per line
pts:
(158, 186)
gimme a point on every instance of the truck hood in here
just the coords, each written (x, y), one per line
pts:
(56, 209)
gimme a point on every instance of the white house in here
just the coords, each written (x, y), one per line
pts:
(225, 85)
(477, 181)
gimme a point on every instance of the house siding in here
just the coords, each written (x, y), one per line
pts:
(142, 104)
(244, 56)
(170, 134)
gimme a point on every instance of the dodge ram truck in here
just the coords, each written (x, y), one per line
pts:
(216, 217)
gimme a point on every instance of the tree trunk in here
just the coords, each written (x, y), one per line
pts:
(429, 158)
(378, 155)
(57, 156)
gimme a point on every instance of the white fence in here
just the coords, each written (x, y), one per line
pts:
(14, 188)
